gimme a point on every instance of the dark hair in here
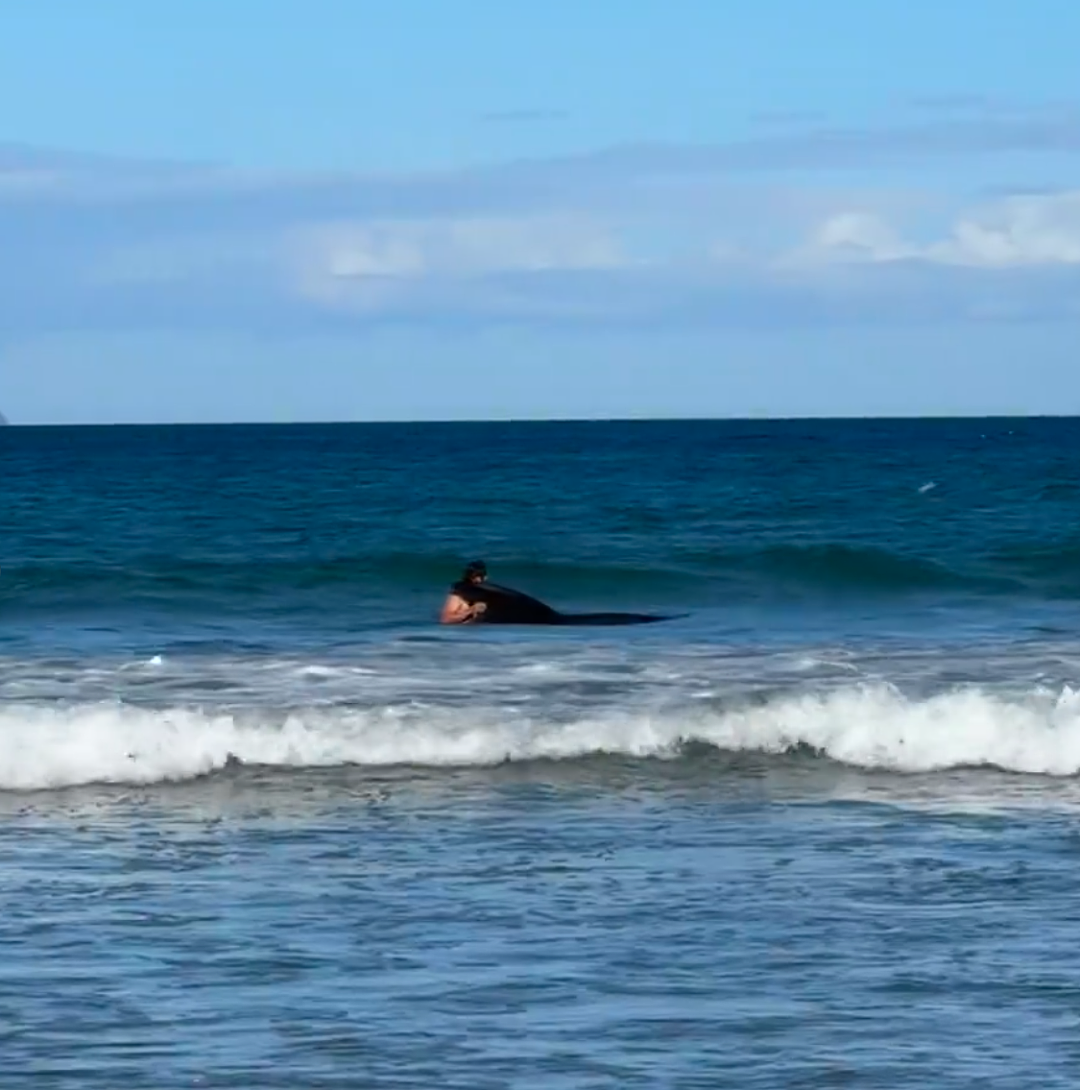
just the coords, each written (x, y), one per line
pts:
(475, 567)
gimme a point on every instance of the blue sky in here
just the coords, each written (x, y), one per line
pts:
(261, 209)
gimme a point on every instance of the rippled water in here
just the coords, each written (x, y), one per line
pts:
(533, 927)
(262, 824)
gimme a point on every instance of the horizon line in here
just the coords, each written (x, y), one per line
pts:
(451, 421)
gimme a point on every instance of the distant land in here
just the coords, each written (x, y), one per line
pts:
(3, 420)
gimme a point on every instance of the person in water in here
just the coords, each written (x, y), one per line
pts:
(465, 603)
(474, 600)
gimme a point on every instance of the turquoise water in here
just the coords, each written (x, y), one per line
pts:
(266, 824)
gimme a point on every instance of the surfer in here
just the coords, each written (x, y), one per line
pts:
(474, 600)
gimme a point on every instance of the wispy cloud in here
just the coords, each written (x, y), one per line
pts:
(823, 148)
(1051, 129)
(626, 235)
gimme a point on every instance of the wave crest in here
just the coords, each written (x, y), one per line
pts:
(870, 727)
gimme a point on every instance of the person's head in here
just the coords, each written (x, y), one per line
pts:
(475, 572)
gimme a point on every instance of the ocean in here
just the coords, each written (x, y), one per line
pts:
(266, 824)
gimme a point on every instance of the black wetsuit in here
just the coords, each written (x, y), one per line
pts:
(507, 606)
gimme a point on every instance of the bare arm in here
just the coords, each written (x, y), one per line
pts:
(456, 610)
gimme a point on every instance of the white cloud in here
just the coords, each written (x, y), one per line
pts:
(849, 236)
(1032, 231)
(660, 235)
(365, 265)
(465, 245)
(1019, 231)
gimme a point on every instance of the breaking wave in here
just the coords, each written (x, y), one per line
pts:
(873, 727)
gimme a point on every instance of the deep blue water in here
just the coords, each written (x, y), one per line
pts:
(266, 823)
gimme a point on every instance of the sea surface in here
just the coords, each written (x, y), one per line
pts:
(265, 824)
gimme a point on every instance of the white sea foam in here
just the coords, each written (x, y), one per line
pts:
(872, 727)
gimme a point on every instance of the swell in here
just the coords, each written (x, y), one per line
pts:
(674, 576)
(839, 567)
(682, 576)
(873, 727)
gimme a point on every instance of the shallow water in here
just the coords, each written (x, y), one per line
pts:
(531, 928)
